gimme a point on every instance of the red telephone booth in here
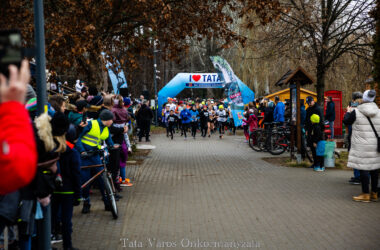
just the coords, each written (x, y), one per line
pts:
(337, 99)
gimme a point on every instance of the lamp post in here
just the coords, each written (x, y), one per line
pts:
(155, 77)
(44, 225)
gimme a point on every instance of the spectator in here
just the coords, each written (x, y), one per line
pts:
(57, 102)
(95, 100)
(364, 152)
(18, 155)
(313, 108)
(330, 114)
(356, 99)
(268, 114)
(279, 111)
(316, 136)
(144, 117)
(78, 86)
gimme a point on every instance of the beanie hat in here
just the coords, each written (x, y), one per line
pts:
(106, 115)
(59, 124)
(81, 104)
(314, 118)
(309, 99)
(31, 105)
(369, 95)
(221, 106)
(127, 101)
(71, 134)
(357, 95)
(30, 93)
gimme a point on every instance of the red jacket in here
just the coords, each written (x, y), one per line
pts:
(251, 122)
(18, 154)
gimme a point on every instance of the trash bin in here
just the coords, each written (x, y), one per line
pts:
(329, 154)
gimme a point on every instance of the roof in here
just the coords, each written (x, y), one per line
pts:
(297, 75)
(288, 89)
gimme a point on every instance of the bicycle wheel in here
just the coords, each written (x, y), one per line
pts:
(253, 141)
(278, 144)
(110, 195)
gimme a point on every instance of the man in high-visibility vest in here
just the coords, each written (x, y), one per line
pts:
(92, 138)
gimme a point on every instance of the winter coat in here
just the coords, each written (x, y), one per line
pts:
(251, 122)
(268, 115)
(279, 111)
(330, 112)
(363, 154)
(144, 114)
(316, 134)
(315, 109)
(75, 118)
(185, 116)
(69, 166)
(18, 155)
(121, 114)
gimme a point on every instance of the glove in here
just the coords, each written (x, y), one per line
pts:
(76, 202)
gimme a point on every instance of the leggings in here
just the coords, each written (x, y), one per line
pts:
(221, 127)
(194, 126)
(185, 127)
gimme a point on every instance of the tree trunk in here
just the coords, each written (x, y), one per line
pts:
(321, 75)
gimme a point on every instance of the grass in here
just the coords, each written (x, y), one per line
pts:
(157, 130)
(341, 163)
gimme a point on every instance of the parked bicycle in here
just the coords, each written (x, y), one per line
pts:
(106, 176)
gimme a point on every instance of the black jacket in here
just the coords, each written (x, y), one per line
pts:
(69, 167)
(203, 116)
(144, 114)
(268, 114)
(316, 109)
(316, 134)
(330, 112)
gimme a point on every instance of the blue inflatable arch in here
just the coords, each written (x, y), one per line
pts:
(198, 80)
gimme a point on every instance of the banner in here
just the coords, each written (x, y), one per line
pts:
(233, 91)
(118, 80)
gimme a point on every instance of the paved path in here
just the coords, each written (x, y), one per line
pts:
(208, 193)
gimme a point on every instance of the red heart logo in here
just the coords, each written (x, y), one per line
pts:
(196, 77)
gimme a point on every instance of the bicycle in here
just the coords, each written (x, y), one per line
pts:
(106, 176)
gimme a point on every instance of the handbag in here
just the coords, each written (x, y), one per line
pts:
(377, 136)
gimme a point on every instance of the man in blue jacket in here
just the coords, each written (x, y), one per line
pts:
(279, 111)
(194, 120)
(330, 114)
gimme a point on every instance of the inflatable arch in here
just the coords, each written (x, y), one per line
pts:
(198, 80)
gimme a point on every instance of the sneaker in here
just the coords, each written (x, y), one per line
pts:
(126, 183)
(322, 169)
(362, 198)
(56, 238)
(374, 196)
(355, 181)
(317, 168)
(172, 137)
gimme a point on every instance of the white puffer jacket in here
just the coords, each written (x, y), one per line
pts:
(363, 154)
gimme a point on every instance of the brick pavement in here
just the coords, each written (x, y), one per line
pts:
(221, 192)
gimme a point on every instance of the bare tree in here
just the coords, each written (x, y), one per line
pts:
(325, 30)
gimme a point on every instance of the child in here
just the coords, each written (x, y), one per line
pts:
(315, 137)
(251, 121)
(171, 122)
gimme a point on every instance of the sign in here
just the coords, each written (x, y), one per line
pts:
(206, 80)
(116, 75)
(232, 88)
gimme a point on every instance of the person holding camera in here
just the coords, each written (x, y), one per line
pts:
(18, 154)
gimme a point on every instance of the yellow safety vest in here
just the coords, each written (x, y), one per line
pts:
(93, 138)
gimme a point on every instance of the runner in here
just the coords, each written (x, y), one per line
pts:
(222, 118)
(194, 120)
(204, 118)
(172, 121)
(186, 119)
(211, 120)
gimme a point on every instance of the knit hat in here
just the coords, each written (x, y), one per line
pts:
(106, 115)
(71, 134)
(31, 105)
(59, 124)
(30, 93)
(127, 101)
(221, 106)
(314, 118)
(369, 95)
